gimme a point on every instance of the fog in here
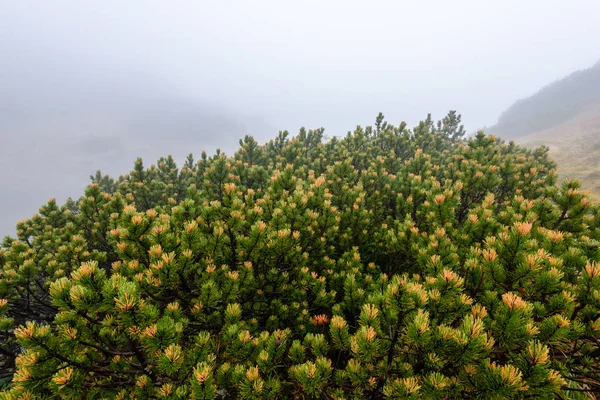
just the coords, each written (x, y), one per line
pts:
(93, 85)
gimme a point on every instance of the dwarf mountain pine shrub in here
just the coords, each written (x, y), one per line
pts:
(391, 263)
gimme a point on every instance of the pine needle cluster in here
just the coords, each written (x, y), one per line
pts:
(390, 263)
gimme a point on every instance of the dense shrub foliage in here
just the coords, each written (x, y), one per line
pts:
(391, 263)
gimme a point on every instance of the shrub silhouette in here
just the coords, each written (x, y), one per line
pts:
(391, 263)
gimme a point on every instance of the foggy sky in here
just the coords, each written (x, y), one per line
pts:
(93, 85)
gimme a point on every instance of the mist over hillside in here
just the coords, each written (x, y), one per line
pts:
(77, 94)
(554, 104)
(62, 122)
(575, 146)
(93, 85)
(565, 117)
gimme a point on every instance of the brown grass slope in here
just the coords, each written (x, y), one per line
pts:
(575, 146)
(554, 104)
(565, 116)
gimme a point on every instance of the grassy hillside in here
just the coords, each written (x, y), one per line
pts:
(565, 116)
(553, 105)
(575, 146)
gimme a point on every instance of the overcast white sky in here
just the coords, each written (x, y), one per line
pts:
(279, 64)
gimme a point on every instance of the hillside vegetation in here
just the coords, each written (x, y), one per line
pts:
(564, 116)
(575, 146)
(391, 263)
(553, 105)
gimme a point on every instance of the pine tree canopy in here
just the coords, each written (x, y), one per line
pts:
(389, 263)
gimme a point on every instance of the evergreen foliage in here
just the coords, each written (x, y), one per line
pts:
(390, 263)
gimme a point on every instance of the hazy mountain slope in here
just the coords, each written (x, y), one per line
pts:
(565, 116)
(575, 146)
(60, 121)
(553, 105)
